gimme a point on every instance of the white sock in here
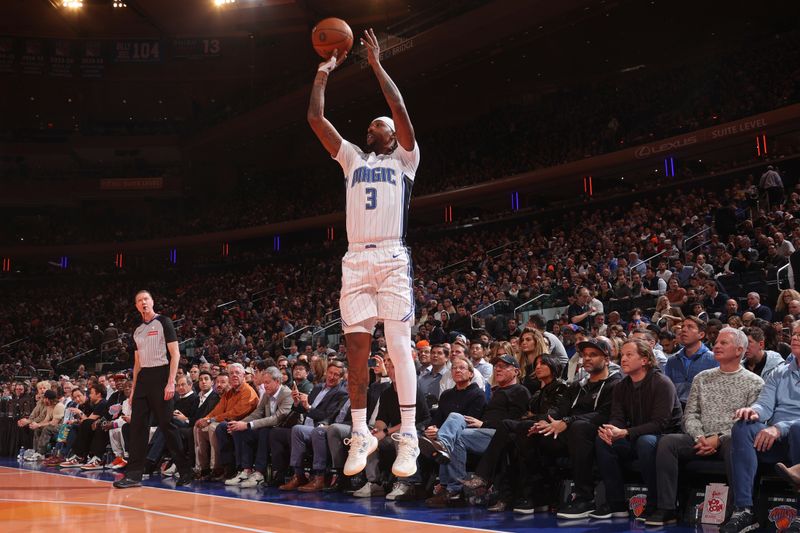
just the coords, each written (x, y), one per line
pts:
(398, 343)
(360, 421)
(408, 417)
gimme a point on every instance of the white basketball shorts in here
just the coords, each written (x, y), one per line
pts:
(376, 284)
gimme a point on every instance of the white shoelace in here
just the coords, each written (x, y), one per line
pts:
(406, 445)
(357, 441)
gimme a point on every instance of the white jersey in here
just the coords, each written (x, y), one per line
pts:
(378, 192)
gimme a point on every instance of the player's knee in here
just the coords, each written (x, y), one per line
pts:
(397, 329)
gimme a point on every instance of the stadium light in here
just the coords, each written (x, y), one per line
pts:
(119, 3)
(72, 4)
(220, 3)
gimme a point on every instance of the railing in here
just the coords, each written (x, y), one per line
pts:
(87, 352)
(262, 291)
(489, 253)
(497, 249)
(630, 268)
(517, 308)
(295, 332)
(226, 304)
(778, 277)
(481, 310)
(698, 246)
(320, 329)
(12, 343)
(523, 320)
(328, 326)
(690, 237)
(448, 268)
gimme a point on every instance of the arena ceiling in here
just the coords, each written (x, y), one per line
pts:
(472, 53)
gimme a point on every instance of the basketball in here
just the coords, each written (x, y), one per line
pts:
(332, 34)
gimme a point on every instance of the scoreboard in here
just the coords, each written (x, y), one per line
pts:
(196, 48)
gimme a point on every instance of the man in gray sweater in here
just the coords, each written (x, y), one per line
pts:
(715, 396)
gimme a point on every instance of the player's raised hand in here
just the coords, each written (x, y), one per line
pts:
(328, 66)
(373, 47)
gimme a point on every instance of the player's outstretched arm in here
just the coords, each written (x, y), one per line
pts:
(402, 122)
(322, 127)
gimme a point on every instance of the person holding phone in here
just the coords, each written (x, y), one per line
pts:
(300, 379)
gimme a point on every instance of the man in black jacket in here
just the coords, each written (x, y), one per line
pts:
(459, 434)
(207, 399)
(318, 408)
(644, 406)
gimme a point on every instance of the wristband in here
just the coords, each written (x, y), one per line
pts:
(328, 67)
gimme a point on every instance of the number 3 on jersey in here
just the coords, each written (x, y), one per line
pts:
(372, 197)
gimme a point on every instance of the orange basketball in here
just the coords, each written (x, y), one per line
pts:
(331, 34)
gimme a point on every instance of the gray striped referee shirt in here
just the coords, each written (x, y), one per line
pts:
(151, 341)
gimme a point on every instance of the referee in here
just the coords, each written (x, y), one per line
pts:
(154, 369)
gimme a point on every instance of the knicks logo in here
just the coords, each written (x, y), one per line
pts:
(782, 516)
(637, 504)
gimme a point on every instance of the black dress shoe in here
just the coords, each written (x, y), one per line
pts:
(185, 478)
(127, 483)
(434, 450)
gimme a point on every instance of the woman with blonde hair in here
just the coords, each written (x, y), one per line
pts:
(498, 349)
(616, 348)
(664, 310)
(319, 367)
(735, 321)
(781, 307)
(532, 345)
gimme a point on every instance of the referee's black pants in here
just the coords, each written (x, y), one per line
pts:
(148, 398)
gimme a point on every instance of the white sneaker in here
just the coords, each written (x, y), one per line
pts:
(369, 490)
(170, 471)
(399, 489)
(253, 480)
(94, 463)
(360, 447)
(238, 478)
(405, 464)
(72, 462)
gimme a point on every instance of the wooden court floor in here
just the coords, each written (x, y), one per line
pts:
(33, 501)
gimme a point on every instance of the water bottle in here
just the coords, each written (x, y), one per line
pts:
(21, 456)
(108, 457)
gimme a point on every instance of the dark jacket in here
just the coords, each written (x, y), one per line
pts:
(651, 408)
(203, 410)
(468, 402)
(389, 410)
(590, 401)
(188, 405)
(544, 402)
(329, 407)
(509, 402)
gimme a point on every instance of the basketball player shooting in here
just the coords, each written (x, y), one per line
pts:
(376, 270)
